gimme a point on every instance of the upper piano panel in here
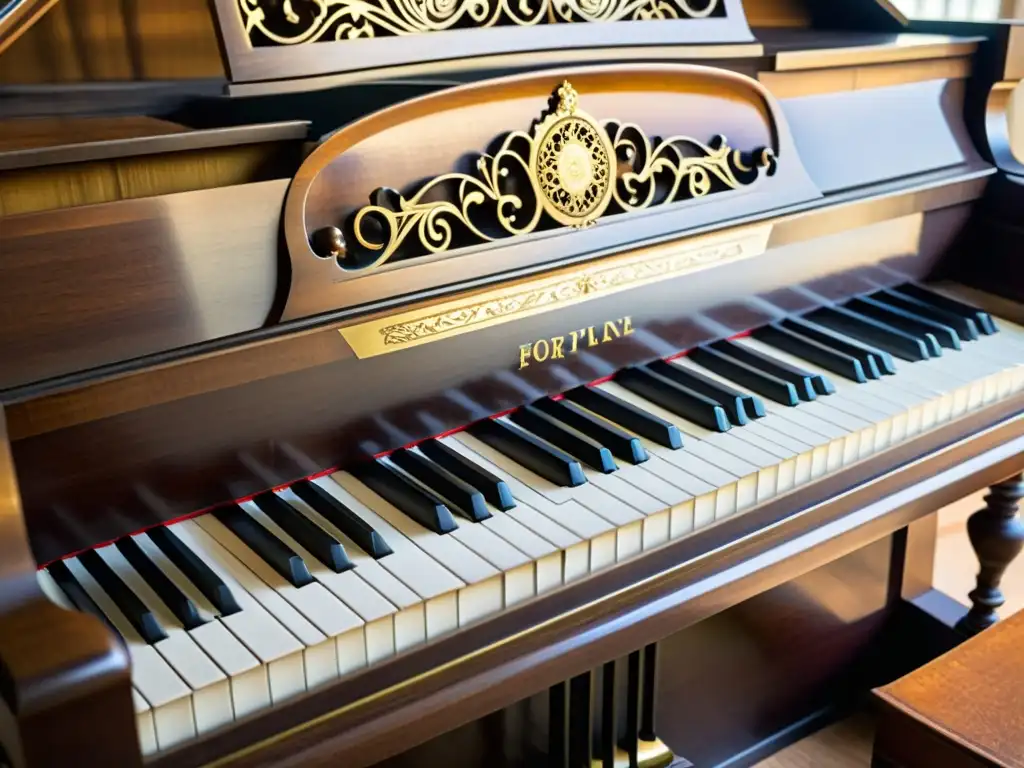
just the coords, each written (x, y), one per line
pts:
(274, 39)
(529, 171)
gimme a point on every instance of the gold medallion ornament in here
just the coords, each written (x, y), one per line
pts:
(569, 171)
(572, 163)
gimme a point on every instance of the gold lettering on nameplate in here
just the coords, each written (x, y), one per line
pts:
(557, 347)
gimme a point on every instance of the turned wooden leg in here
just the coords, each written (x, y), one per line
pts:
(997, 536)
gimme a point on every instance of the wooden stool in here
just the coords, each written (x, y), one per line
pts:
(963, 710)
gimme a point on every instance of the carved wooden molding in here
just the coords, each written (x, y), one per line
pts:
(561, 186)
(569, 171)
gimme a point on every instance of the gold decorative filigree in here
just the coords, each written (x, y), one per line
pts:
(623, 272)
(294, 22)
(563, 292)
(569, 171)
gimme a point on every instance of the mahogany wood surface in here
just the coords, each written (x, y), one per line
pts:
(64, 678)
(997, 536)
(961, 710)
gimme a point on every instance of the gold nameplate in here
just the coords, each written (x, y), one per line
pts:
(569, 170)
(558, 347)
(564, 288)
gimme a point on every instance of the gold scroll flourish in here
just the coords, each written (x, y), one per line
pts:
(295, 22)
(569, 171)
(678, 167)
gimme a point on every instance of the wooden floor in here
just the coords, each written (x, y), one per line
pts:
(847, 744)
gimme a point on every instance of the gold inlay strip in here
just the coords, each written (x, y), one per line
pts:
(412, 328)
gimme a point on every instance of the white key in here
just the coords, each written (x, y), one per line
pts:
(211, 697)
(350, 589)
(749, 476)
(483, 594)
(250, 688)
(319, 659)
(437, 585)
(589, 526)
(144, 724)
(409, 621)
(331, 617)
(169, 697)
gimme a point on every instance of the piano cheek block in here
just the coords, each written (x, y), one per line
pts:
(325, 416)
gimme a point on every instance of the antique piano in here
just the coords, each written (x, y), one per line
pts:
(493, 383)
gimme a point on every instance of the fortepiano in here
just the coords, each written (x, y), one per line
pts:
(494, 384)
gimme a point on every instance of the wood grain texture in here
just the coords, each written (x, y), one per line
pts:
(135, 278)
(846, 744)
(110, 40)
(961, 709)
(63, 677)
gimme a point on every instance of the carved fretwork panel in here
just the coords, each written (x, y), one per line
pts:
(523, 171)
(296, 22)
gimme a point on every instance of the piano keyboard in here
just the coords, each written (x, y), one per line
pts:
(246, 606)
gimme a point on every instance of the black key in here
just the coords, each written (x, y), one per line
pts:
(876, 362)
(739, 406)
(779, 390)
(494, 489)
(943, 335)
(680, 400)
(580, 446)
(184, 610)
(965, 327)
(525, 449)
(804, 381)
(76, 593)
(425, 508)
(874, 332)
(619, 442)
(195, 570)
(461, 495)
(984, 321)
(308, 534)
(138, 615)
(628, 416)
(268, 547)
(781, 338)
(342, 518)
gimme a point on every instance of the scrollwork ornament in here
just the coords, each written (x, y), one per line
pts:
(298, 22)
(569, 171)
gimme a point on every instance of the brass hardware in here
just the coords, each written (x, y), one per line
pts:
(570, 168)
(392, 333)
(311, 21)
(653, 754)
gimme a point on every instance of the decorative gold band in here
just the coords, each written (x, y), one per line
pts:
(542, 294)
